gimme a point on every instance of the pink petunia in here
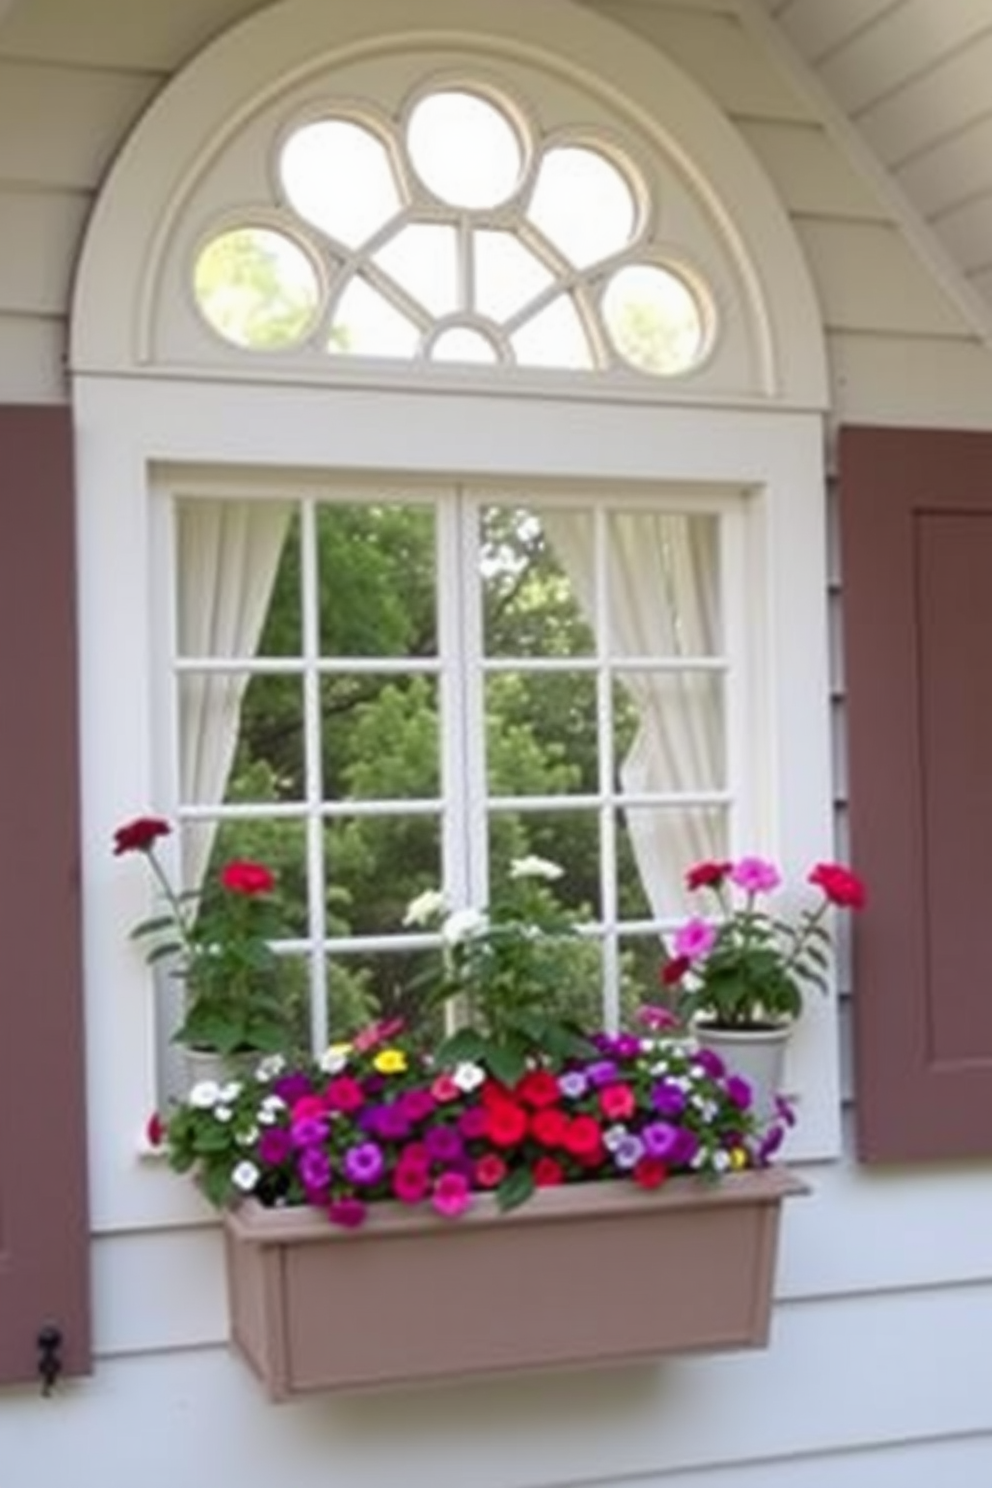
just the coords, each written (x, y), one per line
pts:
(755, 875)
(695, 939)
(451, 1195)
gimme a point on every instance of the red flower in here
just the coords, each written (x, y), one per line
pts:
(377, 1033)
(538, 1088)
(242, 877)
(140, 835)
(674, 970)
(583, 1138)
(344, 1094)
(548, 1173)
(490, 1171)
(707, 875)
(155, 1130)
(549, 1127)
(411, 1183)
(841, 886)
(617, 1102)
(650, 1172)
(507, 1124)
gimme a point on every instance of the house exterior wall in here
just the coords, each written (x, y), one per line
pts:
(885, 1281)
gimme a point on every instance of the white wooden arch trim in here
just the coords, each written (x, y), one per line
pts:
(279, 54)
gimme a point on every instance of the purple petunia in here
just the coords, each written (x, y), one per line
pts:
(364, 1163)
(628, 1152)
(293, 1087)
(309, 1131)
(710, 1063)
(602, 1072)
(739, 1091)
(667, 1098)
(274, 1146)
(314, 1168)
(443, 1144)
(573, 1084)
(660, 1140)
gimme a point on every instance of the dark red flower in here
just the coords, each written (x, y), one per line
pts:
(841, 886)
(650, 1172)
(507, 1124)
(140, 835)
(538, 1088)
(242, 877)
(548, 1173)
(490, 1170)
(583, 1137)
(707, 875)
(674, 970)
(155, 1130)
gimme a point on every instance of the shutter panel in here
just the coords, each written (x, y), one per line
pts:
(44, 1267)
(916, 574)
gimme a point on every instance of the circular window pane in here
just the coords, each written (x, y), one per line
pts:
(337, 175)
(583, 205)
(464, 149)
(257, 288)
(463, 344)
(654, 319)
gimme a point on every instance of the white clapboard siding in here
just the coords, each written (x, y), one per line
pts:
(124, 34)
(822, 30)
(60, 126)
(40, 230)
(32, 358)
(810, 173)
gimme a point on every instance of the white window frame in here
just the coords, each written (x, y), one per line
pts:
(136, 417)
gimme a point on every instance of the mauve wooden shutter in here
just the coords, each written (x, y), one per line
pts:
(916, 576)
(44, 1271)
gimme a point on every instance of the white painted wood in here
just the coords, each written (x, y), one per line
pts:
(714, 50)
(911, 380)
(146, 37)
(931, 107)
(158, 1289)
(811, 175)
(967, 231)
(60, 126)
(195, 1418)
(819, 30)
(900, 48)
(868, 280)
(40, 238)
(32, 356)
(951, 170)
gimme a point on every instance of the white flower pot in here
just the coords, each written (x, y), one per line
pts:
(757, 1054)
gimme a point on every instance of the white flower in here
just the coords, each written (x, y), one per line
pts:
(335, 1058)
(204, 1094)
(614, 1137)
(424, 908)
(464, 924)
(248, 1137)
(245, 1176)
(535, 867)
(468, 1076)
(231, 1091)
(222, 1112)
(269, 1067)
(270, 1110)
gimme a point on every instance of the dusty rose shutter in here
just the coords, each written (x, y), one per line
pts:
(916, 554)
(43, 1226)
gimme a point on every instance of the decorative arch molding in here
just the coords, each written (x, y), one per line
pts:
(176, 163)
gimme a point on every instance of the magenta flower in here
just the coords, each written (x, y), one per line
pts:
(308, 1131)
(364, 1163)
(443, 1144)
(451, 1195)
(274, 1146)
(695, 939)
(411, 1183)
(755, 875)
(348, 1213)
(314, 1168)
(739, 1091)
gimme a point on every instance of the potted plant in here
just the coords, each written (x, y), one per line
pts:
(580, 1188)
(218, 943)
(739, 976)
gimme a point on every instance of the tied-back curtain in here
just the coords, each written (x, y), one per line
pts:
(662, 602)
(227, 556)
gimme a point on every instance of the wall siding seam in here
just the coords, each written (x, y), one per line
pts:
(91, 69)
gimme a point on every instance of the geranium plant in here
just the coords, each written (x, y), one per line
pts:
(379, 1119)
(743, 965)
(218, 942)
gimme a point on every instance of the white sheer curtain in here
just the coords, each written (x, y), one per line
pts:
(227, 557)
(663, 602)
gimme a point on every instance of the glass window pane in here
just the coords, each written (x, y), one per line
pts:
(338, 176)
(367, 324)
(463, 344)
(679, 735)
(555, 337)
(377, 580)
(536, 569)
(375, 866)
(364, 987)
(381, 737)
(240, 737)
(663, 585)
(257, 288)
(508, 275)
(583, 204)
(276, 842)
(541, 737)
(422, 258)
(569, 839)
(654, 319)
(464, 149)
(655, 847)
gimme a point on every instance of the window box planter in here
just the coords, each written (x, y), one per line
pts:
(587, 1274)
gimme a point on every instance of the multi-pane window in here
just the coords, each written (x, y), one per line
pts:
(457, 230)
(387, 688)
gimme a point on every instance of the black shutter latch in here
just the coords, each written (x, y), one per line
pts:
(49, 1342)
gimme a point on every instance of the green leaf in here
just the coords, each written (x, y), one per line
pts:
(505, 1062)
(515, 1190)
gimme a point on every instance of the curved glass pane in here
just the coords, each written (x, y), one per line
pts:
(257, 288)
(367, 324)
(464, 149)
(554, 338)
(463, 344)
(654, 320)
(338, 176)
(507, 274)
(583, 204)
(422, 259)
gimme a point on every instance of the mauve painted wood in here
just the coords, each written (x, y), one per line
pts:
(916, 574)
(591, 1275)
(44, 1263)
